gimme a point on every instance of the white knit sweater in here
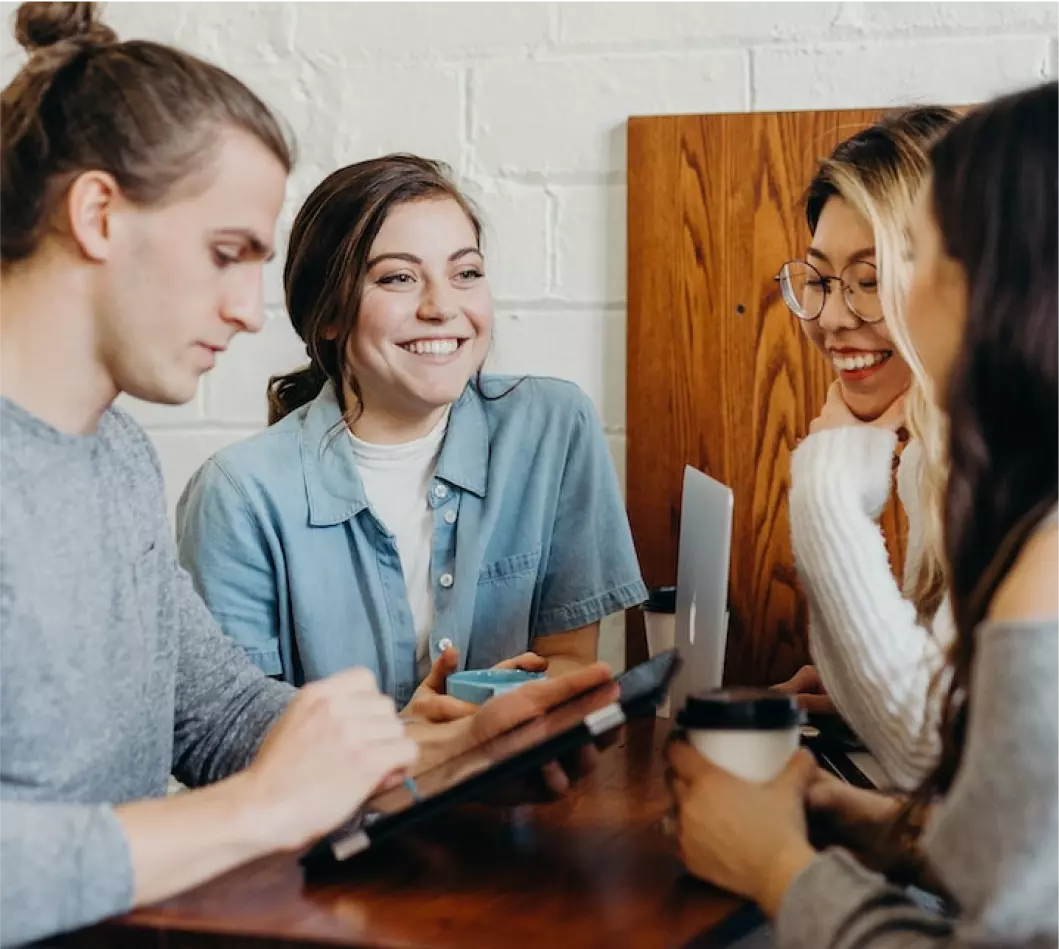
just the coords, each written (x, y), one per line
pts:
(874, 658)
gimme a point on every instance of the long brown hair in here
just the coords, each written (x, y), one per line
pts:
(329, 249)
(995, 199)
(146, 113)
(878, 171)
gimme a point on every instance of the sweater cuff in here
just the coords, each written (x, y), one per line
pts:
(106, 874)
(853, 457)
(819, 905)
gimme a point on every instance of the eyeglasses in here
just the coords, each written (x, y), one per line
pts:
(805, 290)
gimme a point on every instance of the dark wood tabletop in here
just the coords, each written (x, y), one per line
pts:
(592, 870)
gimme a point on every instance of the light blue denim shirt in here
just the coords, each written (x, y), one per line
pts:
(530, 538)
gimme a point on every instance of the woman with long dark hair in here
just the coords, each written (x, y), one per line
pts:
(983, 825)
(406, 511)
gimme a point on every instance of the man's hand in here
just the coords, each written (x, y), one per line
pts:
(338, 742)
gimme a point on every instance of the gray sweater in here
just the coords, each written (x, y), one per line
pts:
(993, 842)
(112, 671)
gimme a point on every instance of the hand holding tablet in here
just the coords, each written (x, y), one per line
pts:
(511, 736)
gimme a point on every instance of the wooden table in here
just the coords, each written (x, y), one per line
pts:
(592, 870)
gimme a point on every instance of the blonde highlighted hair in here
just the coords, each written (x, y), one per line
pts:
(878, 172)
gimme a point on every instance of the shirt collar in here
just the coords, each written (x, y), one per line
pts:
(464, 460)
(333, 485)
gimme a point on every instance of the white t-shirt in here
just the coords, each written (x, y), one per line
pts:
(397, 480)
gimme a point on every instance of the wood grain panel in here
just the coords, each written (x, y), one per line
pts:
(720, 375)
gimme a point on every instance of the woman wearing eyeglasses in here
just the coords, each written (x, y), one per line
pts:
(875, 644)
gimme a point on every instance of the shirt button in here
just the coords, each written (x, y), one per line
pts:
(444, 644)
(445, 580)
(450, 517)
(440, 491)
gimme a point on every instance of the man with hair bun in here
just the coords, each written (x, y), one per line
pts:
(140, 189)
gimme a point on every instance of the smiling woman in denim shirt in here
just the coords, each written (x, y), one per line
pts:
(403, 511)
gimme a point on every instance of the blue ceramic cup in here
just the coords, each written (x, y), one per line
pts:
(480, 685)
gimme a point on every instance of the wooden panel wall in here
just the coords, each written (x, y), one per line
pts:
(719, 373)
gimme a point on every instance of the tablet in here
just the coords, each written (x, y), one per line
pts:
(472, 773)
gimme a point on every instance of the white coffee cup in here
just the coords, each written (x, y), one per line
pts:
(751, 733)
(660, 625)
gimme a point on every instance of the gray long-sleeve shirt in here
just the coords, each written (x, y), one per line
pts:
(112, 671)
(993, 842)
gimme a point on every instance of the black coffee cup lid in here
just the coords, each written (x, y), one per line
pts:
(739, 709)
(661, 600)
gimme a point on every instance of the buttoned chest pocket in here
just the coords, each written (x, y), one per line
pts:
(503, 608)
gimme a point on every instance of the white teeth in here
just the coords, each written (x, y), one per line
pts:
(852, 363)
(432, 347)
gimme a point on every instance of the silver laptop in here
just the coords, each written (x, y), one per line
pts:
(702, 584)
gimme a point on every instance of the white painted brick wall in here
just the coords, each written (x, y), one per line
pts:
(589, 243)
(565, 113)
(951, 71)
(528, 102)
